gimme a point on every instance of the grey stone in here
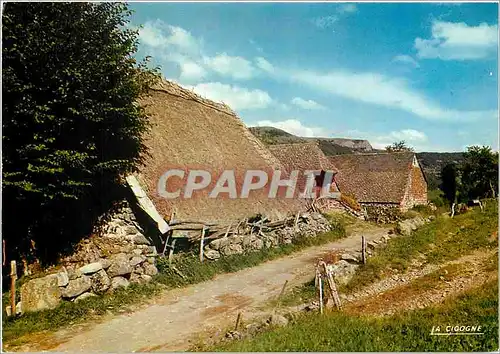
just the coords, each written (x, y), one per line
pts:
(119, 282)
(91, 268)
(349, 258)
(19, 308)
(277, 320)
(130, 230)
(137, 260)
(371, 245)
(146, 278)
(136, 279)
(141, 240)
(100, 282)
(40, 294)
(231, 249)
(150, 251)
(106, 263)
(137, 251)
(120, 265)
(74, 274)
(76, 287)
(62, 278)
(151, 260)
(84, 296)
(219, 243)
(149, 269)
(212, 254)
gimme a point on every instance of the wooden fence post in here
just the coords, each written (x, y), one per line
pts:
(13, 277)
(320, 294)
(238, 319)
(363, 249)
(201, 243)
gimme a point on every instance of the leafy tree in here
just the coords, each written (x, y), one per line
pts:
(398, 146)
(450, 182)
(71, 124)
(480, 172)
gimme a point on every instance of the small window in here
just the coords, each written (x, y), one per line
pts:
(319, 179)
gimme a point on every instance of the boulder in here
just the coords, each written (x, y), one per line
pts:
(149, 269)
(141, 240)
(119, 282)
(137, 260)
(219, 243)
(120, 265)
(231, 249)
(105, 263)
(40, 294)
(76, 287)
(84, 296)
(62, 278)
(212, 254)
(343, 271)
(91, 268)
(349, 258)
(277, 320)
(100, 282)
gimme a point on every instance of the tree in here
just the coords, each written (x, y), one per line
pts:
(398, 146)
(71, 124)
(450, 183)
(480, 172)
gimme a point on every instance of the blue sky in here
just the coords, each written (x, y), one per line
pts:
(423, 73)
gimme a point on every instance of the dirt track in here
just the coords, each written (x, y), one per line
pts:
(178, 315)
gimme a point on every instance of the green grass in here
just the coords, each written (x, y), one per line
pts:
(442, 240)
(409, 331)
(192, 269)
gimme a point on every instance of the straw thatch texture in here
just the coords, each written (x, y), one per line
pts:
(374, 178)
(190, 132)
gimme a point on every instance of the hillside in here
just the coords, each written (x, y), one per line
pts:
(431, 162)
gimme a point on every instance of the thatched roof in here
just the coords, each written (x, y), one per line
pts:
(303, 157)
(191, 132)
(374, 178)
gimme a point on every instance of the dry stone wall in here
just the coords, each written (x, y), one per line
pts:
(118, 255)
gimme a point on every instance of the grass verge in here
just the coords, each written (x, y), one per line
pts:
(442, 240)
(68, 313)
(408, 331)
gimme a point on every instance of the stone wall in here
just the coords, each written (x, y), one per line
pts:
(309, 225)
(382, 213)
(117, 255)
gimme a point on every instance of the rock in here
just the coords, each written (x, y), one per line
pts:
(141, 240)
(349, 258)
(258, 244)
(233, 335)
(19, 308)
(74, 274)
(130, 230)
(146, 278)
(150, 269)
(137, 278)
(212, 254)
(138, 269)
(137, 260)
(76, 287)
(100, 282)
(219, 243)
(277, 320)
(119, 282)
(150, 251)
(151, 260)
(371, 245)
(252, 328)
(232, 249)
(137, 251)
(120, 265)
(40, 294)
(62, 278)
(91, 268)
(343, 271)
(105, 263)
(84, 296)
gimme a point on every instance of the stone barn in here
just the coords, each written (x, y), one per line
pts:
(393, 180)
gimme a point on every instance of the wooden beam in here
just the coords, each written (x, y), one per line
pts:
(146, 204)
(201, 244)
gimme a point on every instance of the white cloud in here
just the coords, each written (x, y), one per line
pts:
(306, 104)
(341, 11)
(406, 59)
(158, 34)
(413, 138)
(264, 65)
(295, 127)
(236, 67)
(237, 98)
(383, 91)
(458, 41)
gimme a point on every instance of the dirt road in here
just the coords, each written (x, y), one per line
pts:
(178, 315)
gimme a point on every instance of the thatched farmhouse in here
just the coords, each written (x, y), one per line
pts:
(390, 180)
(189, 133)
(303, 157)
